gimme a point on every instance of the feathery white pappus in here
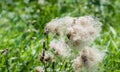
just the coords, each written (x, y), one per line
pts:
(80, 31)
(60, 47)
(88, 59)
(39, 69)
(46, 56)
(76, 33)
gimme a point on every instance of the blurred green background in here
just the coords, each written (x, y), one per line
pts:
(22, 23)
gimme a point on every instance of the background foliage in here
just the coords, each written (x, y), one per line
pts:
(22, 23)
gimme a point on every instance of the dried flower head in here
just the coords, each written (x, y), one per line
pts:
(89, 59)
(5, 51)
(58, 25)
(39, 69)
(77, 64)
(46, 56)
(60, 47)
(83, 31)
(80, 31)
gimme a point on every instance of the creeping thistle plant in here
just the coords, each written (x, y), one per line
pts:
(70, 38)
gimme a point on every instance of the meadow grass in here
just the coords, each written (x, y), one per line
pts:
(21, 32)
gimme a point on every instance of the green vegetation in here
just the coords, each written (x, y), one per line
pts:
(21, 31)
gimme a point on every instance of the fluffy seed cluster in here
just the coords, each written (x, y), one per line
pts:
(39, 69)
(88, 59)
(5, 51)
(60, 47)
(79, 31)
(76, 33)
(46, 56)
(58, 26)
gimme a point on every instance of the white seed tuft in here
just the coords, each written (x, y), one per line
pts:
(39, 69)
(60, 47)
(89, 59)
(80, 31)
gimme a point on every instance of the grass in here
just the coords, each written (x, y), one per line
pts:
(21, 31)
